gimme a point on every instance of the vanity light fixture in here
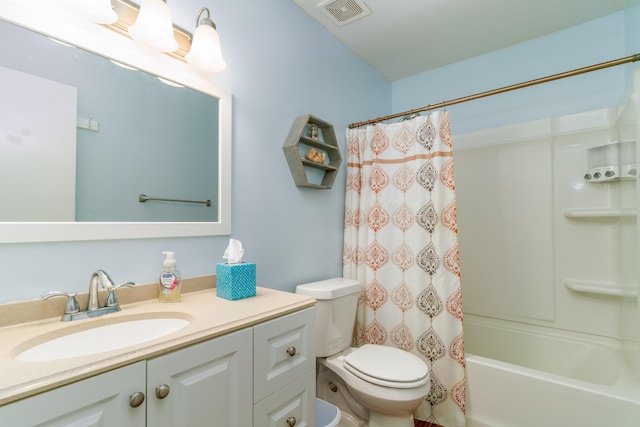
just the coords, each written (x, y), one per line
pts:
(201, 50)
(154, 26)
(205, 52)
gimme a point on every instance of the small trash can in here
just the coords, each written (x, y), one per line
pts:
(327, 415)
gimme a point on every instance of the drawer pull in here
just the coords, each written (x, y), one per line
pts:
(291, 351)
(291, 421)
(136, 399)
(162, 391)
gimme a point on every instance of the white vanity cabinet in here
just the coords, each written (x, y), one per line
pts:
(284, 359)
(205, 384)
(102, 400)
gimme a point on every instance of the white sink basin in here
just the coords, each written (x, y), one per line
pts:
(103, 338)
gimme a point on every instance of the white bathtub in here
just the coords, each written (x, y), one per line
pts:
(524, 376)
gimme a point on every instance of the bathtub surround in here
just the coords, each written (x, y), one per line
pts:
(549, 267)
(401, 244)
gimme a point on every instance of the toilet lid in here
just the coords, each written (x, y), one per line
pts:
(387, 366)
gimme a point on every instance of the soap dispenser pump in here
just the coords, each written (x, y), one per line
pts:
(170, 279)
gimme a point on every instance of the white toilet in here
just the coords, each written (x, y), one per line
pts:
(379, 383)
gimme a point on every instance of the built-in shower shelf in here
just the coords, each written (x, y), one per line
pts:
(601, 288)
(582, 213)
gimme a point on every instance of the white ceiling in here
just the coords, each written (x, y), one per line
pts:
(401, 38)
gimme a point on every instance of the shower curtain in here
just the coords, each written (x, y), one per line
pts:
(400, 242)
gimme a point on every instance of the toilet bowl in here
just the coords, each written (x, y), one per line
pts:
(376, 385)
(391, 404)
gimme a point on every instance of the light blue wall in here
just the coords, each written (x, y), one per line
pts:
(580, 46)
(281, 64)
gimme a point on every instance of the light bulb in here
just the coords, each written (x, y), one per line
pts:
(205, 52)
(154, 27)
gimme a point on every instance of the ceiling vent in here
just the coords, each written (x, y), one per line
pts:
(342, 12)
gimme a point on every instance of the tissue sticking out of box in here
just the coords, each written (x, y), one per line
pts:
(235, 279)
(233, 253)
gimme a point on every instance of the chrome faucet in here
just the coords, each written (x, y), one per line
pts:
(72, 309)
(98, 276)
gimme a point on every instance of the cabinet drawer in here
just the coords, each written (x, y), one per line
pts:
(283, 350)
(292, 405)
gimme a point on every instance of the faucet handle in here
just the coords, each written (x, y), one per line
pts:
(72, 304)
(111, 300)
(104, 279)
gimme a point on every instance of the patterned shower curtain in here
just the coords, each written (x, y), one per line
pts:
(401, 243)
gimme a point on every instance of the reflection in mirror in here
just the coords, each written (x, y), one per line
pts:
(135, 135)
(116, 133)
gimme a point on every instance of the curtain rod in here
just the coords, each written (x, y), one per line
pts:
(613, 63)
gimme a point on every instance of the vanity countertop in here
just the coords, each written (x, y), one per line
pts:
(209, 317)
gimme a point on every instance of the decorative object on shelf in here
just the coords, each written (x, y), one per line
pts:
(299, 145)
(315, 156)
(313, 131)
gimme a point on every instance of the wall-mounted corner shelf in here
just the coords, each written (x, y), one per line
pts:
(581, 213)
(298, 143)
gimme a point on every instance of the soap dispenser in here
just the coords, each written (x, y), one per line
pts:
(170, 279)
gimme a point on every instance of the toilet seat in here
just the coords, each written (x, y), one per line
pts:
(387, 366)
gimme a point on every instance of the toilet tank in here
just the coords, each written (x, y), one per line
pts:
(337, 301)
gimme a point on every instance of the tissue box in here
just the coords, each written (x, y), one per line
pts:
(236, 281)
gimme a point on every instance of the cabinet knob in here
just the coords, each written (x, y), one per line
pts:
(162, 391)
(291, 351)
(291, 421)
(136, 399)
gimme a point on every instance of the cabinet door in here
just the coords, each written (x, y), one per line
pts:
(284, 350)
(293, 405)
(102, 401)
(208, 384)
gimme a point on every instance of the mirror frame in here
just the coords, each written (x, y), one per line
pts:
(45, 19)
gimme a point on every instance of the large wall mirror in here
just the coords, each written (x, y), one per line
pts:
(82, 137)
